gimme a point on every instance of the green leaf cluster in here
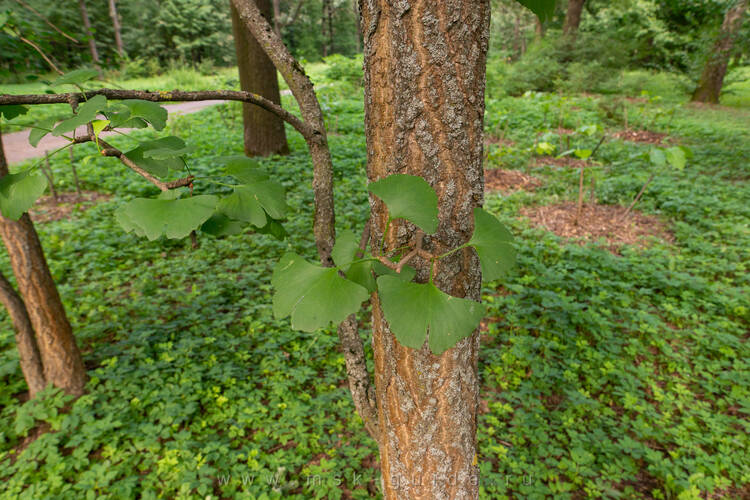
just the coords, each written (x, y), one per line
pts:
(413, 310)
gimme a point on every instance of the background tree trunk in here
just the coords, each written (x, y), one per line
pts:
(116, 27)
(324, 26)
(276, 17)
(424, 108)
(712, 79)
(573, 18)
(539, 29)
(89, 32)
(263, 131)
(28, 350)
(61, 359)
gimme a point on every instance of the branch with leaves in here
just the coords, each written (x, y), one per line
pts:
(172, 96)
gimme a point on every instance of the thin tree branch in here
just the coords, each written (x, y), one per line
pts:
(294, 17)
(360, 385)
(26, 341)
(41, 53)
(304, 93)
(638, 197)
(46, 21)
(109, 150)
(175, 96)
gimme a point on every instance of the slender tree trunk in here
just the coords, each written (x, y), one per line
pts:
(330, 26)
(323, 25)
(116, 27)
(424, 107)
(357, 32)
(539, 30)
(63, 366)
(89, 32)
(276, 17)
(573, 18)
(31, 361)
(263, 131)
(712, 79)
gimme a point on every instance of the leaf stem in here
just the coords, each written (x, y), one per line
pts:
(451, 252)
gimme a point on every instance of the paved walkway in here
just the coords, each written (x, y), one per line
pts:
(17, 147)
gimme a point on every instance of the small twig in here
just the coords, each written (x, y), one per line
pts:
(73, 168)
(417, 247)
(47, 171)
(41, 53)
(109, 150)
(604, 137)
(638, 197)
(364, 240)
(580, 197)
(46, 21)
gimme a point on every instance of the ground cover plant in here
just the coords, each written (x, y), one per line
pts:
(603, 374)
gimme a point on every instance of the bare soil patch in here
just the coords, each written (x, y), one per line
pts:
(507, 181)
(599, 221)
(48, 209)
(563, 161)
(643, 136)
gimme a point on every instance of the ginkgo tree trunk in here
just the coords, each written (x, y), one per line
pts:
(53, 345)
(424, 107)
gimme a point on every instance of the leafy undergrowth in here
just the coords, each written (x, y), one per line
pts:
(603, 375)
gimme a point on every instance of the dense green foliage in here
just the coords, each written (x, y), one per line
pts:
(615, 38)
(603, 374)
(157, 34)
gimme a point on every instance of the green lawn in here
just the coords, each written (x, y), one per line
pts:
(604, 375)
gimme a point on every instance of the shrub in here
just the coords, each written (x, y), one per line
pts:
(539, 69)
(344, 69)
(634, 83)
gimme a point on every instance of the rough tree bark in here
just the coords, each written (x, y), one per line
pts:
(28, 350)
(61, 359)
(424, 108)
(573, 18)
(712, 78)
(116, 27)
(89, 32)
(264, 132)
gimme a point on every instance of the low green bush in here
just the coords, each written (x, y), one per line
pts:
(344, 69)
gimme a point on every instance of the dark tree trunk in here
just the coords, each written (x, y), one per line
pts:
(28, 350)
(89, 32)
(712, 79)
(116, 27)
(357, 33)
(539, 29)
(330, 27)
(424, 107)
(63, 366)
(263, 131)
(573, 18)
(276, 17)
(323, 26)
